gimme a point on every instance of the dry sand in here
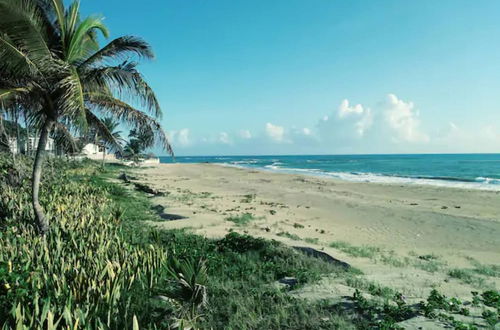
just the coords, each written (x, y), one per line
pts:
(461, 228)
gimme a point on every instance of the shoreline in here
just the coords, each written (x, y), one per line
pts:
(387, 231)
(399, 216)
(357, 178)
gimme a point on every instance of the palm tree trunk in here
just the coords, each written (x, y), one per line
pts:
(41, 220)
(18, 143)
(27, 150)
(103, 156)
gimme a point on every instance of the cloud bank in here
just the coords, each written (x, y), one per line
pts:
(392, 125)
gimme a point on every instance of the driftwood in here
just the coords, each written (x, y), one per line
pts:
(148, 189)
(126, 178)
(322, 255)
(140, 186)
(160, 210)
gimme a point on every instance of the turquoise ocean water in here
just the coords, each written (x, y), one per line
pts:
(472, 171)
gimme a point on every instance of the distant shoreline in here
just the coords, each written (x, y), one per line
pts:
(463, 171)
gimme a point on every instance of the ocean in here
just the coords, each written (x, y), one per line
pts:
(471, 171)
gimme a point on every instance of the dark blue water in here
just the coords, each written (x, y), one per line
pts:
(475, 171)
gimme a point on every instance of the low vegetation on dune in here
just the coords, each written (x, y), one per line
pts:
(99, 267)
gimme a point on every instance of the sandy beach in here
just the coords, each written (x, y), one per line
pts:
(390, 232)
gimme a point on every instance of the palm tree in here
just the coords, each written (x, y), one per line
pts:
(137, 144)
(111, 125)
(52, 67)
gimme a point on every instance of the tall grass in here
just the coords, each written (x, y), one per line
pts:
(84, 274)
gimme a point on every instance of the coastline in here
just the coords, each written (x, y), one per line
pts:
(398, 222)
(466, 171)
(453, 183)
(419, 217)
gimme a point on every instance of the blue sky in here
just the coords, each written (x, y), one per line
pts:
(320, 76)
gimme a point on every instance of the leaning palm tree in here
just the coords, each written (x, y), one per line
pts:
(116, 144)
(50, 63)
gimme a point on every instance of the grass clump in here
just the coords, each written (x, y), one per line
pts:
(467, 276)
(242, 219)
(289, 235)
(311, 240)
(371, 287)
(356, 251)
(248, 198)
(483, 269)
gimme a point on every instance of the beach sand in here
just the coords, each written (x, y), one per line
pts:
(408, 237)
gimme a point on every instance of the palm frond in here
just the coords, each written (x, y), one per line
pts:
(63, 138)
(6, 94)
(119, 48)
(71, 100)
(21, 21)
(14, 59)
(103, 131)
(127, 81)
(135, 118)
(54, 13)
(80, 42)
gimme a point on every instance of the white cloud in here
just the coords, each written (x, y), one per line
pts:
(183, 137)
(393, 125)
(245, 134)
(455, 138)
(224, 138)
(180, 138)
(276, 133)
(403, 119)
(348, 124)
(346, 110)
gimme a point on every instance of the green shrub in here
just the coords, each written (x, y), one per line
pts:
(242, 219)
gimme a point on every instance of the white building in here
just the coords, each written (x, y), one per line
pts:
(31, 144)
(94, 151)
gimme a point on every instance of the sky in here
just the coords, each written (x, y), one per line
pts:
(261, 77)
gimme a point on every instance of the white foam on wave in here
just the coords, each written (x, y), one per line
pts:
(248, 161)
(481, 183)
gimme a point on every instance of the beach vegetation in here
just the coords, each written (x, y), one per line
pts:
(364, 251)
(485, 269)
(100, 267)
(289, 235)
(248, 198)
(468, 276)
(311, 240)
(242, 219)
(387, 313)
(371, 287)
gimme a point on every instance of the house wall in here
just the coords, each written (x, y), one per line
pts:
(31, 144)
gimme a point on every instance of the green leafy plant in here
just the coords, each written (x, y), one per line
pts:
(242, 219)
